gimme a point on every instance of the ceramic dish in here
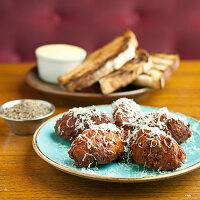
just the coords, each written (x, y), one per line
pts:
(25, 126)
(92, 94)
(53, 150)
(55, 60)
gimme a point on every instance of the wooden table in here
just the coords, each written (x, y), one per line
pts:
(23, 175)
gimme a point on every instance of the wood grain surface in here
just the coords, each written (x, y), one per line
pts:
(23, 175)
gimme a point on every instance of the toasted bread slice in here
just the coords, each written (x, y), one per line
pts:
(127, 73)
(101, 62)
(163, 65)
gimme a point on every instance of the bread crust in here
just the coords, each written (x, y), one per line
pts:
(163, 65)
(100, 63)
(127, 73)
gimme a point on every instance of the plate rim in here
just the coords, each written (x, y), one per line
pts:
(86, 95)
(107, 178)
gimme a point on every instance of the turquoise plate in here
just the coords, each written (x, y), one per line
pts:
(53, 150)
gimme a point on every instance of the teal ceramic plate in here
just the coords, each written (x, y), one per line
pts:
(54, 150)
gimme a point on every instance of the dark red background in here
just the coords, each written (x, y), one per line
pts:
(160, 25)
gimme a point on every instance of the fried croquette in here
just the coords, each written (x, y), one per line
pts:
(101, 144)
(150, 139)
(172, 124)
(156, 150)
(126, 112)
(76, 120)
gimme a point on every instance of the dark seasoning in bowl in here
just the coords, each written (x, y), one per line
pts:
(24, 116)
(27, 109)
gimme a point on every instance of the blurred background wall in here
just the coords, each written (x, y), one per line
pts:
(160, 26)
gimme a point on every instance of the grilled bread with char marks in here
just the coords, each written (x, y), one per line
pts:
(163, 65)
(127, 73)
(100, 63)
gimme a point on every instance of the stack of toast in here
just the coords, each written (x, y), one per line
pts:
(163, 65)
(118, 64)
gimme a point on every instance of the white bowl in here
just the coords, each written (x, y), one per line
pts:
(54, 60)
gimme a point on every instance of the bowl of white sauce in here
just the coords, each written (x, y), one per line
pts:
(54, 60)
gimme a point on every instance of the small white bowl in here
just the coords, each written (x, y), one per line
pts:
(54, 60)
